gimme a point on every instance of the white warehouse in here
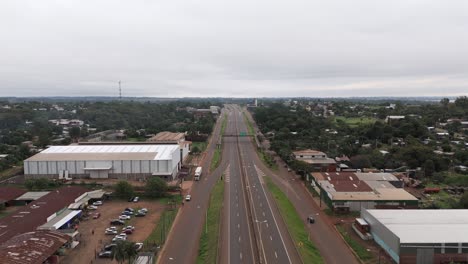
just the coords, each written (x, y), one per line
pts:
(106, 161)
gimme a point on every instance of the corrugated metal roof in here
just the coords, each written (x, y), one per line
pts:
(106, 152)
(425, 226)
(32, 247)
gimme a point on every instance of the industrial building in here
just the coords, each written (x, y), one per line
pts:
(350, 191)
(38, 212)
(134, 162)
(420, 236)
(317, 160)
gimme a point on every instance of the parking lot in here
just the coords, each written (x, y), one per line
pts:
(91, 244)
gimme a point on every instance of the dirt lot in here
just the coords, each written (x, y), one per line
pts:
(93, 243)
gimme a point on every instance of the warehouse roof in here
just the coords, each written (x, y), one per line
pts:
(31, 196)
(28, 218)
(425, 226)
(106, 152)
(32, 247)
(60, 219)
(10, 193)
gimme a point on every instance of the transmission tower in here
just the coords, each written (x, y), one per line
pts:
(120, 92)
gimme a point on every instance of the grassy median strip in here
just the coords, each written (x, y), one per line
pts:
(224, 124)
(216, 159)
(208, 252)
(361, 251)
(249, 124)
(309, 253)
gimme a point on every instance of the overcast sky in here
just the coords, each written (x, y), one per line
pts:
(233, 48)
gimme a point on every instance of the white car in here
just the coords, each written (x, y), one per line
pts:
(97, 203)
(119, 237)
(129, 227)
(92, 207)
(110, 232)
(138, 246)
(188, 197)
(124, 217)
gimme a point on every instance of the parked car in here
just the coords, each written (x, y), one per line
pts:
(144, 210)
(110, 232)
(136, 199)
(117, 222)
(96, 203)
(124, 217)
(109, 247)
(130, 199)
(119, 238)
(127, 231)
(127, 212)
(129, 209)
(96, 215)
(105, 254)
(310, 219)
(188, 197)
(92, 207)
(138, 246)
(130, 227)
(140, 214)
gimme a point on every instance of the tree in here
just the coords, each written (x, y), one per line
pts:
(124, 189)
(429, 168)
(155, 187)
(75, 133)
(124, 250)
(464, 201)
(195, 150)
(360, 161)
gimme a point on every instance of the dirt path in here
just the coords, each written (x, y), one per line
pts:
(91, 243)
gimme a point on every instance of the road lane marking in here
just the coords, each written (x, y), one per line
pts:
(267, 225)
(271, 238)
(239, 239)
(276, 255)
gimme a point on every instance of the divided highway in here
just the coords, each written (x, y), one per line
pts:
(251, 232)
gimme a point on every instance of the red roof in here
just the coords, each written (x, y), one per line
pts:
(32, 247)
(10, 193)
(29, 217)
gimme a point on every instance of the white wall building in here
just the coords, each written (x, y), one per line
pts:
(106, 161)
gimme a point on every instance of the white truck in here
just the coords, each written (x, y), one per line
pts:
(198, 173)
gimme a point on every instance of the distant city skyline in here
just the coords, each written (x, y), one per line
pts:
(237, 48)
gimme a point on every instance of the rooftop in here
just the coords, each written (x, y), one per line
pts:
(10, 193)
(425, 225)
(32, 248)
(28, 218)
(31, 196)
(168, 136)
(353, 186)
(308, 152)
(106, 152)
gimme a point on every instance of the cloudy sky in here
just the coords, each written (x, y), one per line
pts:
(238, 48)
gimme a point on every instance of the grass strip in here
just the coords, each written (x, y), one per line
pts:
(216, 159)
(224, 124)
(159, 234)
(309, 253)
(208, 252)
(361, 251)
(249, 124)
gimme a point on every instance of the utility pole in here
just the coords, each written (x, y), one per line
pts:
(120, 92)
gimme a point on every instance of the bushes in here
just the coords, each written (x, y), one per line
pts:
(124, 190)
(39, 184)
(156, 187)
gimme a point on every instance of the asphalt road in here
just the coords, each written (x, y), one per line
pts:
(182, 244)
(322, 233)
(253, 230)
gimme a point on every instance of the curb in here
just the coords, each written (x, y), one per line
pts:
(160, 253)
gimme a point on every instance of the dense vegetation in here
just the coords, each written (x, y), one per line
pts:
(358, 130)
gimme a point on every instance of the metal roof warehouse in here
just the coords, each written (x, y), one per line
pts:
(436, 235)
(29, 217)
(106, 161)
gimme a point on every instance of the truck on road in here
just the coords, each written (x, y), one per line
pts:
(198, 173)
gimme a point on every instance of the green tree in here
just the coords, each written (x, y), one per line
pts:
(429, 168)
(124, 250)
(464, 201)
(124, 189)
(155, 187)
(195, 150)
(75, 133)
